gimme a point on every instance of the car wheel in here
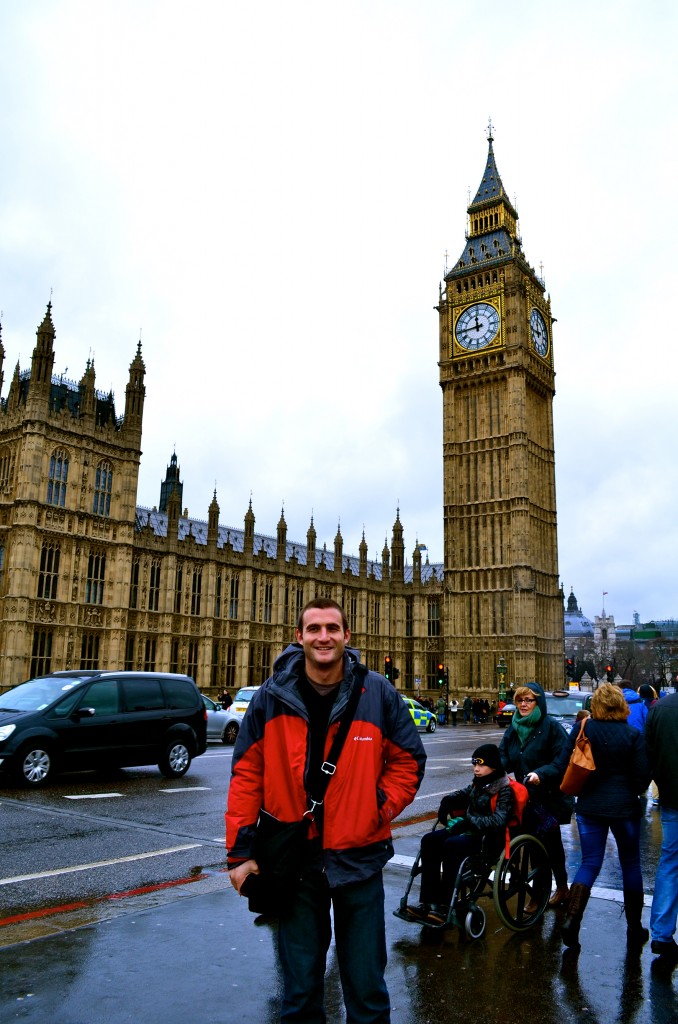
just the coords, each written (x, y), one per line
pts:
(432, 725)
(35, 765)
(176, 760)
(230, 733)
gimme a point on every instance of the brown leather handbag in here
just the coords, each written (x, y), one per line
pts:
(581, 765)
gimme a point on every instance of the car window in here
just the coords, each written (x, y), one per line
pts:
(143, 694)
(65, 707)
(564, 705)
(179, 693)
(36, 694)
(102, 696)
(245, 694)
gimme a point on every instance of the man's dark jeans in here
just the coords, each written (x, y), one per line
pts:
(303, 941)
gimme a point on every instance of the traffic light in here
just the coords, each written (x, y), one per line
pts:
(396, 673)
(441, 675)
(388, 668)
(609, 671)
(569, 668)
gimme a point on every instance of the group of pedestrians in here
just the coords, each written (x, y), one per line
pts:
(536, 749)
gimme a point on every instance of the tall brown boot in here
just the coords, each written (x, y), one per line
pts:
(576, 905)
(636, 935)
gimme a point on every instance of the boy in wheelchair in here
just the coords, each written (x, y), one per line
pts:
(474, 820)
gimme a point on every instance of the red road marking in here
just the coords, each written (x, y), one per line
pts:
(64, 908)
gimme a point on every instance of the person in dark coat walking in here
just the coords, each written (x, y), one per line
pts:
(532, 748)
(610, 802)
(661, 736)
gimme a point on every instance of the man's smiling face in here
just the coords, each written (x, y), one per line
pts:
(324, 640)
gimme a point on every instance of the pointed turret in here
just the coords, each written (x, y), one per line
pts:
(362, 549)
(491, 188)
(310, 546)
(173, 513)
(398, 550)
(492, 236)
(385, 561)
(338, 551)
(135, 393)
(87, 391)
(281, 546)
(213, 520)
(42, 362)
(170, 484)
(416, 563)
(249, 530)
(14, 389)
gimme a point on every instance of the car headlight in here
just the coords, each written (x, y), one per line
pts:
(6, 731)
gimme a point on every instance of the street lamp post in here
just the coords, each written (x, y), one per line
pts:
(501, 678)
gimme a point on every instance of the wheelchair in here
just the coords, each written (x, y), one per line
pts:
(520, 878)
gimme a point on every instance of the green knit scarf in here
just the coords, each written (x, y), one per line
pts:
(524, 725)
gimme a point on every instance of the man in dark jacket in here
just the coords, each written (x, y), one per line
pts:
(284, 740)
(661, 737)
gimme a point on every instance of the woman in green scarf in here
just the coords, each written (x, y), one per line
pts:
(533, 749)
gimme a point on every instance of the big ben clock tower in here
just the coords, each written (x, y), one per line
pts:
(502, 595)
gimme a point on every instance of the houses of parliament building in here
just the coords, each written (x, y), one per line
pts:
(90, 579)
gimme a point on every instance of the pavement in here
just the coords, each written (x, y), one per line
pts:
(193, 953)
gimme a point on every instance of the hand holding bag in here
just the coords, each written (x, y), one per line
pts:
(278, 849)
(581, 765)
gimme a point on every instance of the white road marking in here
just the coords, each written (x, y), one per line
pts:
(188, 789)
(430, 796)
(93, 796)
(98, 864)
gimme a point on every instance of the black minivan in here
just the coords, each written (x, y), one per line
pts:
(84, 720)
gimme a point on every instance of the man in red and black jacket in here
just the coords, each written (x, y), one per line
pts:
(284, 738)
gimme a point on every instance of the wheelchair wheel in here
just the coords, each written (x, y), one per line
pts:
(472, 878)
(522, 878)
(475, 922)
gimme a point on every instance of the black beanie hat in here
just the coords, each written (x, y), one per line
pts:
(490, 756)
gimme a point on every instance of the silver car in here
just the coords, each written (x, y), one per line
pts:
(222, 726)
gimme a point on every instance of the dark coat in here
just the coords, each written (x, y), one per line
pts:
(543, 753)
(474, 805)
(622, 770)
(661, 737)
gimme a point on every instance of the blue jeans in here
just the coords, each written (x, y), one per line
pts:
(360, 935)
(593, 836)
(664, 910)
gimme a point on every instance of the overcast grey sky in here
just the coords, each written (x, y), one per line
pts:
(267, 192)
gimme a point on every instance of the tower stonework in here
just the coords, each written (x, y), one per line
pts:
(502, 594)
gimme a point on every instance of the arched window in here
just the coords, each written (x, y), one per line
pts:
(7, 460)
(103, 483)
(96, 574)
(58, 478)
(48, 576)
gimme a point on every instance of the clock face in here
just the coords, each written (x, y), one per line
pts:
(477, 326)
(540, 338)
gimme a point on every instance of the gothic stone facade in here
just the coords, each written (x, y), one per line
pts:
(90, 580)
